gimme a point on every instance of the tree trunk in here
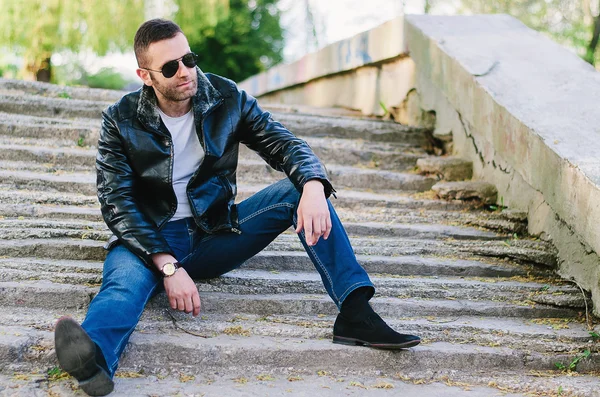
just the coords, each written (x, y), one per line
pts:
(44, 73)
(40, 69)
(427, 6)
(590, 56)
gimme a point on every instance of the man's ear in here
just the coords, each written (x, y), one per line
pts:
(144, 75)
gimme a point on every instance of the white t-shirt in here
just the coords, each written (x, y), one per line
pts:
(188, 155)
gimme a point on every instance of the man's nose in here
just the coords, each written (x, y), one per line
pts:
(183, 70)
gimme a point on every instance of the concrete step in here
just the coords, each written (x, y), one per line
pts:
(256, 385)
(405, 265)
(348, 127)
(299, 261)
(245, 281)
(128, 383)
(524, 251)
(68, 155)
(74, 131)
(21, 87)
(37, 145)
(93, 227)
(448, 168)
(364, 221)
(191, 354)
(337, 127)
(34, 105)
(556, 335)
(346, 198)
(51, 176)
(58, 296)
(394, 156)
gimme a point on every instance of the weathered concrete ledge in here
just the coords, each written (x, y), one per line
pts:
(522, 108)
(362, 72)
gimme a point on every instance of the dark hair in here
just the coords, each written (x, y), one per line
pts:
(150, 32)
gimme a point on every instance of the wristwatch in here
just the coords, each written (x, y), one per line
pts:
(169, 268)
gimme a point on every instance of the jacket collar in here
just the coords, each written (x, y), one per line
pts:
(206, 97)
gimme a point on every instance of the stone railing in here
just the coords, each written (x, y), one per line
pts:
(518, 105)
(363, 72)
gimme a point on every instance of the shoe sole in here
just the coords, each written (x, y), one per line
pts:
(76, 353)
(385, 346)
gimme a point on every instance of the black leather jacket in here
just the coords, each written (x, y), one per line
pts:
(135, 162)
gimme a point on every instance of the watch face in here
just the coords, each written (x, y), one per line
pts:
(168, 269)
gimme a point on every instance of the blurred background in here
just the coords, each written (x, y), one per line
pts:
(89, 42)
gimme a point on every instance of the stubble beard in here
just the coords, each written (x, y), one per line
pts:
(172, 92)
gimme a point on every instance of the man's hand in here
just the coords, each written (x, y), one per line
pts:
(313, 213)
(181, 289)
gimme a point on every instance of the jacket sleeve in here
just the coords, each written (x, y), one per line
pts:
(115, 183)
(281, 149)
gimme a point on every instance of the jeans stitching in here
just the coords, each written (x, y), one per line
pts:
(324, 271)
(355, 284)
(294, 220)
(262, 210)
(116, 351)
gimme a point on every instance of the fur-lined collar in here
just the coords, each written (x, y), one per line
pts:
(206, 96)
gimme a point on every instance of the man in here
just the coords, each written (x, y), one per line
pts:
(166, 163)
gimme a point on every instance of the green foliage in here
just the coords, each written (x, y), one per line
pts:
(38, 28)
(193, 16)
(8, 71)
(383, 107)
(573, 364)
(106, 78)
(247, 41)
(595, 336)
(73, 74)
(234, 38)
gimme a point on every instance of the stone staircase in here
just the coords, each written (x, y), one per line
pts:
(482, 294)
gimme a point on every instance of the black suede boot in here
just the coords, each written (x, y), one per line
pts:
(359, 325)
(81, 358)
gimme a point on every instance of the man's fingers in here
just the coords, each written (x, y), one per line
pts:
(196, 303)
(300, 224)
(308, 231)
(173, 303)
(327, 227)
(189, 305)
(317, 228)
(180, 304)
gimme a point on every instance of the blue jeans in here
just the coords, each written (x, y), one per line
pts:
(128, 283)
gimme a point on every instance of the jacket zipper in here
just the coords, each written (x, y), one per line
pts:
(203, 143)
(169, 143)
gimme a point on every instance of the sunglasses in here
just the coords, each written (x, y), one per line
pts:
(170, 68)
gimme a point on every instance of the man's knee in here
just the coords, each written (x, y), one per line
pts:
(125, 270)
